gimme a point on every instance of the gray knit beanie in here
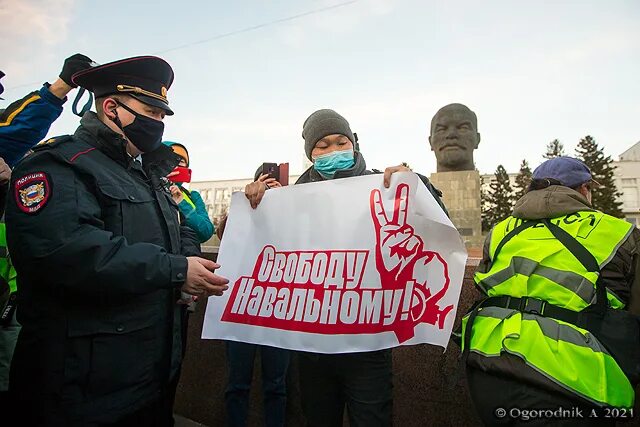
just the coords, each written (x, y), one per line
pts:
(322, 123)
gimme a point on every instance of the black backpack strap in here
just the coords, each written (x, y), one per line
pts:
(533, 306)
(581, 253)
(585, 257)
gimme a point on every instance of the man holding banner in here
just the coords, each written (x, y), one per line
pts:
(362, 381)
(343, 286)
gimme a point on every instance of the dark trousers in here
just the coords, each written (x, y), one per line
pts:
(153, 414)
(275, 362)
(168, 401)
(361, 381)
(501, 401)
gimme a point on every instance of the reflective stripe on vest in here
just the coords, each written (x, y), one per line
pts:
(7, 271)
(569, 356)
(535, 264)
(187, 198)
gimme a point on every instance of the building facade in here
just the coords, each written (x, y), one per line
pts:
(217, 197)
(217, 194)
(627, 176)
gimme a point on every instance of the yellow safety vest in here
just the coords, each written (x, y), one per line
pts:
(534, 264)
(7, 271)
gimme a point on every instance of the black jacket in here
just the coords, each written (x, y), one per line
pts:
(100, 257)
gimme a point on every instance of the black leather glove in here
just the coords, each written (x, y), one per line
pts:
(72, 65)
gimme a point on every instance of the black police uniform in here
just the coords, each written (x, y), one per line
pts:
(101, 256)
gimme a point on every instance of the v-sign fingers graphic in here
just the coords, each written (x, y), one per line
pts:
(377, 210)
(396, 243)
(401, 206)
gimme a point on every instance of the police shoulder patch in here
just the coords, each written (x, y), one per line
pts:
(32, 192)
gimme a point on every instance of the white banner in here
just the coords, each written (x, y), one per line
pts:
(339, 266)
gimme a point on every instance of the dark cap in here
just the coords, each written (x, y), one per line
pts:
(323, 123)
(569, 171)
(146, 78)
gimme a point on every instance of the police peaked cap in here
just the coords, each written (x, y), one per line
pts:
(146, 78)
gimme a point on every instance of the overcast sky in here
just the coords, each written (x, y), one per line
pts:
(531, 70)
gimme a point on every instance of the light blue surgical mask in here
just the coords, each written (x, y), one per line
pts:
(328, 164)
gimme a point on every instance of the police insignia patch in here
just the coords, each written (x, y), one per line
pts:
(32, 192)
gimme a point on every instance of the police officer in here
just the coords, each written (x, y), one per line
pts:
(101, 260)
(552, 334)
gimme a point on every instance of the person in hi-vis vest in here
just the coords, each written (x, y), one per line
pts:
(526, 345)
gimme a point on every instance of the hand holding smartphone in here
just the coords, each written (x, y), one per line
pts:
(279, 172)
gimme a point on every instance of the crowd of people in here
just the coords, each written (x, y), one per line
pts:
(101, 265)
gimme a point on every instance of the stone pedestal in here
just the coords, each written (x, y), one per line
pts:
(461, 195)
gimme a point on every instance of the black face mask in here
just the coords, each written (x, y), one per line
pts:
(144, 132)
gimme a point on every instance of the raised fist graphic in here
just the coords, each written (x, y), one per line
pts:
(401, 257)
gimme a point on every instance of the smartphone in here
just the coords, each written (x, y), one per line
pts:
(272, 170)
(279, 172)
(184, 175)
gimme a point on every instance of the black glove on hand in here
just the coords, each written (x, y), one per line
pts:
(72, 65)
